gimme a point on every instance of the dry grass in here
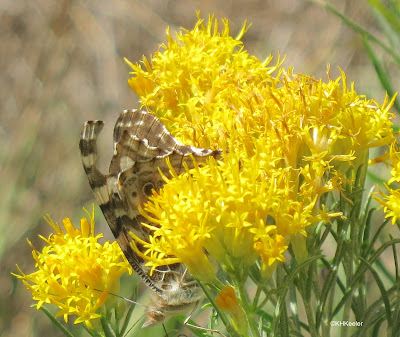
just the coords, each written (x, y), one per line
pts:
(62, 63)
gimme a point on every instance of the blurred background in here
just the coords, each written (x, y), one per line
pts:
(62, 63)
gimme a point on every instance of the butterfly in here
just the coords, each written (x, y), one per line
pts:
(141, 145)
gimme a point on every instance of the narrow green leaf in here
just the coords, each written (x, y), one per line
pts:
(381, 72)
(56, 322)
(382, 289)
(359, 29)
(377, 328)
(374, 178)
(396, 262)
(370, 247)
(360, 273)
(283, 289)
(293, 307)
(338, 281)
(107, 327)
(390, 15)
(92, 332)
(129, 313)
(284, 323)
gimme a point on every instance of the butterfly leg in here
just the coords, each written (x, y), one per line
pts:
(196, 327)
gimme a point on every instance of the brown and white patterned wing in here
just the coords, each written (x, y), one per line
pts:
(140, 136)
(141, 145)
(103, 186)
(106, 193)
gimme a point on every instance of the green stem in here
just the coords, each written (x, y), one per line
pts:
(306, 294)
(247, 309)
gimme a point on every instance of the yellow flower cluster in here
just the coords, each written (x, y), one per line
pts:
(287, 139)
(391, 201)
(75, 272)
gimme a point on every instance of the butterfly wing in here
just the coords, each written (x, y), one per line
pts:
(141, 146)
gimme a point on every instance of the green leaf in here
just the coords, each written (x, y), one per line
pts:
(129, 313)
(391, 15)
(382, 289)
(359, 29)
(92, 332)
(283, 289)
(360, 273)
(107, 327)
(380, 70)
(56, 322)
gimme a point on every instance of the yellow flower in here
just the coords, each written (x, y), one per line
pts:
(391, 201)
(391, 204)
(75, 272)
(271, 249)
(395, 163)
(227, 301)
(288, 139)
(186, 82)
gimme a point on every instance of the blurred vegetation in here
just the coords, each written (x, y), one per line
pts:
(62, 64)
(387, 15)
